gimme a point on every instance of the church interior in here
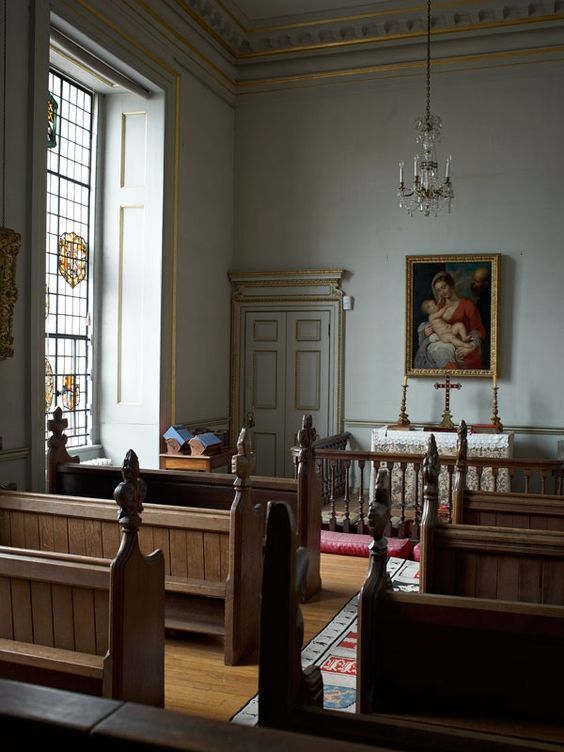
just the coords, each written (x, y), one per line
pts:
(266, 251)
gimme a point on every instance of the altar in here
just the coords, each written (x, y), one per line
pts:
(388, 441)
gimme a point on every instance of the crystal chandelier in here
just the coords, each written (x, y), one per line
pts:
(427, 194)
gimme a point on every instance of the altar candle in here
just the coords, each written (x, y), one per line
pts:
(401, 171)
(494, 385)
(404, 381)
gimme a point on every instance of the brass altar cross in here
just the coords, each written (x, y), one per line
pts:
(447, 386)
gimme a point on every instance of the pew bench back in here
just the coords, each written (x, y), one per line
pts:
(472, 657)
(511, 564)
(211, 556)
(78, 623)
(511, 510)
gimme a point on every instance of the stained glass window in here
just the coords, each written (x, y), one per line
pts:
(69, 197)
(72, 258)
(52, 107)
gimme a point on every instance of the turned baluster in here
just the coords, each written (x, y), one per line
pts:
(527, 474)
(360, 525)
(542, 482)
(417, 510)
(402, 469)
(450, 472)
(495, 473)
(347, 517)
(332, 499)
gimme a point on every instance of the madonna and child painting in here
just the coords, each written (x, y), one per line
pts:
(452, 315)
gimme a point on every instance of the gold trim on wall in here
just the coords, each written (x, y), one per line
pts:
(10, 242)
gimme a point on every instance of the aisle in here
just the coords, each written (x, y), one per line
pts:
(198, 682)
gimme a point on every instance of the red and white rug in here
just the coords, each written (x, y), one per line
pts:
(334, 649)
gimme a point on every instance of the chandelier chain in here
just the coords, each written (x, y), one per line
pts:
(428, 108)
(429, 191)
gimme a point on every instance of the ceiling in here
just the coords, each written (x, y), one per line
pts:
(243, 46)
(279, 42)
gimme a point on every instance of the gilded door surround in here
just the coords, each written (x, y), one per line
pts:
(286, 291)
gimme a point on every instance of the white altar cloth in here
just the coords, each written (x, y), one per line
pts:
(415, 442)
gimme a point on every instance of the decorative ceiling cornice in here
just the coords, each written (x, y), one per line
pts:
(309, 36)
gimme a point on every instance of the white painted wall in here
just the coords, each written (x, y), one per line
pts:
(316, 174)
(204, 255)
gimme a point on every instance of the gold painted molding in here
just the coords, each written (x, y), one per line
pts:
(397, 15)
(10, 242)
(499, 59)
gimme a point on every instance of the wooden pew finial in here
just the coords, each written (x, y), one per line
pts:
(57, 453)
(379, 509)
(307, 433)
(462, 442)
(378, 519)
(431, 469)
(243, 463)
(130, 494)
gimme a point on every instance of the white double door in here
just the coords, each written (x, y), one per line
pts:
(287, 372)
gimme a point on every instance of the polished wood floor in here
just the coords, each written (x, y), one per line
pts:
(198, 682)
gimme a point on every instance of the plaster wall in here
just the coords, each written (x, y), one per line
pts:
(316, 176)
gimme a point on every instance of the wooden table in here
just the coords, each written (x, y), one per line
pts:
(201, 462)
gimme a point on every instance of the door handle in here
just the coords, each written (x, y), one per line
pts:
(250, 419)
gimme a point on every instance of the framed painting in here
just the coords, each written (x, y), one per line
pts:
(451, 315)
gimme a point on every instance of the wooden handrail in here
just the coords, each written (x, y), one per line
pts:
(542, 476)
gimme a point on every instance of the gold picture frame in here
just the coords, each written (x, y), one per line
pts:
(452, 315)
(10, 242)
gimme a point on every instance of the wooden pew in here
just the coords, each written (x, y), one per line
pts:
(213, 557)
(433, 672)
(202, 490)
(540, 511)
(506, 563)
(87, 624)
(41, 717)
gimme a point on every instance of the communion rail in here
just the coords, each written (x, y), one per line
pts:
(338, 441)
(347, 474)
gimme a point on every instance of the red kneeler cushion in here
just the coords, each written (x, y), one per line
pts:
(351, 544)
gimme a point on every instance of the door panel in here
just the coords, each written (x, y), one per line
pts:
(308, 386)
(263, 379)
(287, 373)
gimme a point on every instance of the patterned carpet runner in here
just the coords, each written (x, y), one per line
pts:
(334, 648)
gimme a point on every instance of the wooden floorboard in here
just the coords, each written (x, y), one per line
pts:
(198, 682)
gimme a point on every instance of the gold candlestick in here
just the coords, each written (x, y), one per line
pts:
(495, 419)
(403, 419)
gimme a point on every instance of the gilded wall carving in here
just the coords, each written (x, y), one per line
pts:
(10, 242)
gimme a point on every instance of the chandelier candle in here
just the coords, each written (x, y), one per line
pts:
(427, 194)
